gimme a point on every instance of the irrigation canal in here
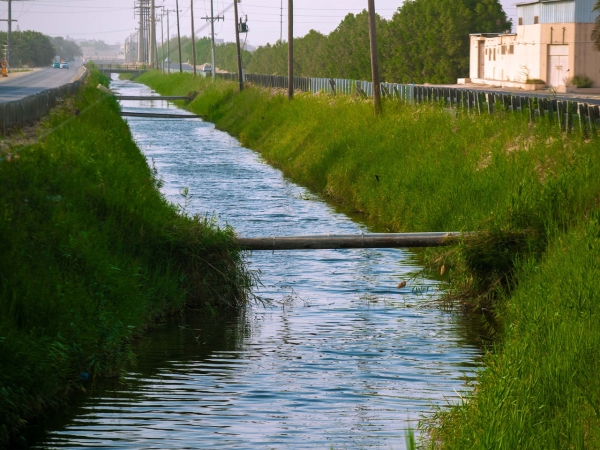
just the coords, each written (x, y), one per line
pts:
(342, 358)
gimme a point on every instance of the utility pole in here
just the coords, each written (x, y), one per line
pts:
(144, 31)
(168, 46)
(151, 60)
(162, 42)
(9, 35)
(212, 19)
(374, 59)
(281, 22)
(291, 49)
(193, 37)
(237, 45)
(159, 65)
(179, 37)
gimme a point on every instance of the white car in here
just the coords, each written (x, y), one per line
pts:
(64, 65)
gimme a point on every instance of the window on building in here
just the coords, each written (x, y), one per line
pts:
(511, 49)
(520, 21)
(536, 19)
(494, 54)
(503, 50)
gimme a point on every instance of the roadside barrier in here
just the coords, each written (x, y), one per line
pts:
(567, 114)
(28, 110)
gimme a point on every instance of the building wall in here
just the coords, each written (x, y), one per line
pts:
(552, 43)
(536, 48)
(587, 58)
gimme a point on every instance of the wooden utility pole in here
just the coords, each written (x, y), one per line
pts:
(212, 19)
(290, 49)
(374, 59)
(237, 46)
(168, 45)
(193, 37)
(152, 56)
(9, 35)
(179, 37)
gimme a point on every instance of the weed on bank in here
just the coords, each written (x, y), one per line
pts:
(529, 190)
(91, 254)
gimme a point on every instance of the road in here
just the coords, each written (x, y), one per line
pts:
(23, 85)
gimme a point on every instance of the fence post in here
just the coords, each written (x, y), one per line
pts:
(560, 111)
(581, 110)
(592, 116)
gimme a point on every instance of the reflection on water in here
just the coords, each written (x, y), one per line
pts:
(342, 358)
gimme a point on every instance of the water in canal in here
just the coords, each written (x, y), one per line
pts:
(341, 359)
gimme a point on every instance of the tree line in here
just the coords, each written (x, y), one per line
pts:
(35, 49)
(426, 41)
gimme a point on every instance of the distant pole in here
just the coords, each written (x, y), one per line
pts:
(291, 49)
(168, 45)
(281, 22)
(193, 37)
(179, 37)
(374, 59)
(152, 58)
(212, 40)
(9, 35)
(237, 46)
(140, 56)
(162, 42)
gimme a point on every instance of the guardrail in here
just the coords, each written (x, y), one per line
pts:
(19, 113)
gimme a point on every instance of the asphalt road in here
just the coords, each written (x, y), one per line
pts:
(31, 83)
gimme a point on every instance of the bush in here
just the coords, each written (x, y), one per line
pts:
(580, 81)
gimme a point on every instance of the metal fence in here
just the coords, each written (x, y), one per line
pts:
(567, 114)
(19, 113)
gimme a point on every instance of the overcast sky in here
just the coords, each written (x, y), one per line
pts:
(113, 20)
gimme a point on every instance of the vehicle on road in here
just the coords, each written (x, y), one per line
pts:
(64, 65)
(56, 65)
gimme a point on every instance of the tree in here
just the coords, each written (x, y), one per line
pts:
(31, 48)
(66, 49)
(428, 40)
(349, 51)
(596, 30)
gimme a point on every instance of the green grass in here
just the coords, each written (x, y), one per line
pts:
(91, 255)
(541, 389)
(531, 191)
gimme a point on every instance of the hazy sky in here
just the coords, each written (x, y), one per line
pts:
(113, 20)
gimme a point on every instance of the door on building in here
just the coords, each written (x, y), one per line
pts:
(558, 65)
(481, 67)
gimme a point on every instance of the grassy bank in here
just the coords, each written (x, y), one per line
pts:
(92, 255)
(531, 191)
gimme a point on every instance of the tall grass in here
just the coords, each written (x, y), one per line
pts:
(91, 255)
(531, 191)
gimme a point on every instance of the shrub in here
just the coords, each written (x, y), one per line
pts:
(580, 81)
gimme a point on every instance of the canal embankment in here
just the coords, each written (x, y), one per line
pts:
(527, 188)
(92, 256)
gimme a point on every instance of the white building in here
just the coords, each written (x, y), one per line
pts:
(553, 43)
